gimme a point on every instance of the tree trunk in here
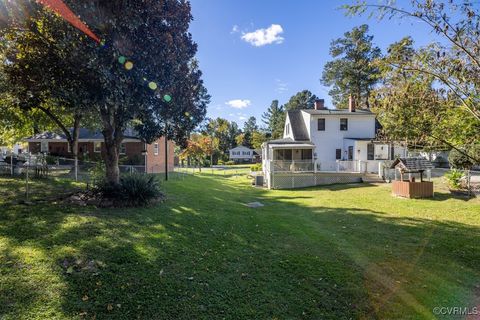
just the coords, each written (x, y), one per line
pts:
(74, 142)
(111, 163)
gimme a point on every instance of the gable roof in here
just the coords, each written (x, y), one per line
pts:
(241, 148)
(297, 125)
(338, 111)
(411, 164)
(289, 141)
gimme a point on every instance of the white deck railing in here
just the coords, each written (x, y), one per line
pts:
(317, 166)
(291, 165)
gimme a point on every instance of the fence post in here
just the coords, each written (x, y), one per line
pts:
(11, 163)
(26, 181)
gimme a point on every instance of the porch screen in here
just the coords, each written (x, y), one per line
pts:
(306, 154)
(283, 154)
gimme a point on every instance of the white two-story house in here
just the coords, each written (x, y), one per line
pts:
(329, 140)
(241, 154)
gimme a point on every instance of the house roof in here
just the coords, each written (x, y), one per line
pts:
(289, 141)
(338, 111)
(360, 139)
(84, 134)
(297, 124)
(241, 147)
(411, 164)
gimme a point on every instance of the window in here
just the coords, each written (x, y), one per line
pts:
(338, 154)
(155, 149)
(350, 153)
(287, 129)
(370, 151)
(321, 124)
(44, 146)
(123, 148)
(97, 147)
(343, 124)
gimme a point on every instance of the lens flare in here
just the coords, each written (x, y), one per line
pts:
(152, 85)
(60, 8)
(167, 98)
(122, 59)
(129, 65)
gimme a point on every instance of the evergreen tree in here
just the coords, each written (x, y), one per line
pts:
(352, 72)
(274, 119)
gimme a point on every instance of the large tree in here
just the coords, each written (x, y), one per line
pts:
(453, 63)
(352, 72)
(274, 119)
(301, 100)
(143, 75)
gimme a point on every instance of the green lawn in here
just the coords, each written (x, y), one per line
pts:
(337, 252)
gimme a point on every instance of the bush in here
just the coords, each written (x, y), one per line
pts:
(97, 174)
(256, 167)
(139, 189)
(230, 163)
(51, 160)
(134, 190)
(454, 178)
(220, 162)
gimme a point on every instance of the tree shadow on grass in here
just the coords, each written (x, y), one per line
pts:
(194, 257)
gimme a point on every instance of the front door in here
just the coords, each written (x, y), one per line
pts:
(350, 153)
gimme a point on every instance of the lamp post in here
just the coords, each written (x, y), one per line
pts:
(167, 98)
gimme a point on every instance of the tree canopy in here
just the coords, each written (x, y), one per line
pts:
(144, 75)
(352, 72)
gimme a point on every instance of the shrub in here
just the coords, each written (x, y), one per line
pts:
(139, 189)
(97, 174)
(256, 167)
(454, 178)
(50, 160)
(230, 163)
(134, 190)
(220, 162)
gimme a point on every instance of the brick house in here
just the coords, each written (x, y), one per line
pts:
(91, 147)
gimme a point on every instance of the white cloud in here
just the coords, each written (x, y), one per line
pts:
(280, 86)
(238, 103)
(261, 37)
(235, 29)
(242, 118)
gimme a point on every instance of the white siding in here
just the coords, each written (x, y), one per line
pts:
(326, 142)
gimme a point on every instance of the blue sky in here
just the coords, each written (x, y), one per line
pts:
(245, 71)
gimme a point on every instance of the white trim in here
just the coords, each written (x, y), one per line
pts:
(42, 145)
(156, 149)
(120, 149)
(95, 143)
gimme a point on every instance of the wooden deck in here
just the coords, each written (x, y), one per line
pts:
(409, 189)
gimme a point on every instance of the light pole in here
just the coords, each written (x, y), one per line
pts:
(167, 98)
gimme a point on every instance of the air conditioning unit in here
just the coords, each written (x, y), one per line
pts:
(259, 181)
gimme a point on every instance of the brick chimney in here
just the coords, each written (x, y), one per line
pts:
(351, 103)
(319, 104)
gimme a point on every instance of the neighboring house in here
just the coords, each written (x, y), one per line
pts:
(241, 154)
(328, 140)
(91, 147)
(5, 151)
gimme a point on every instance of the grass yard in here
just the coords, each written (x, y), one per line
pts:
(337, 252)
